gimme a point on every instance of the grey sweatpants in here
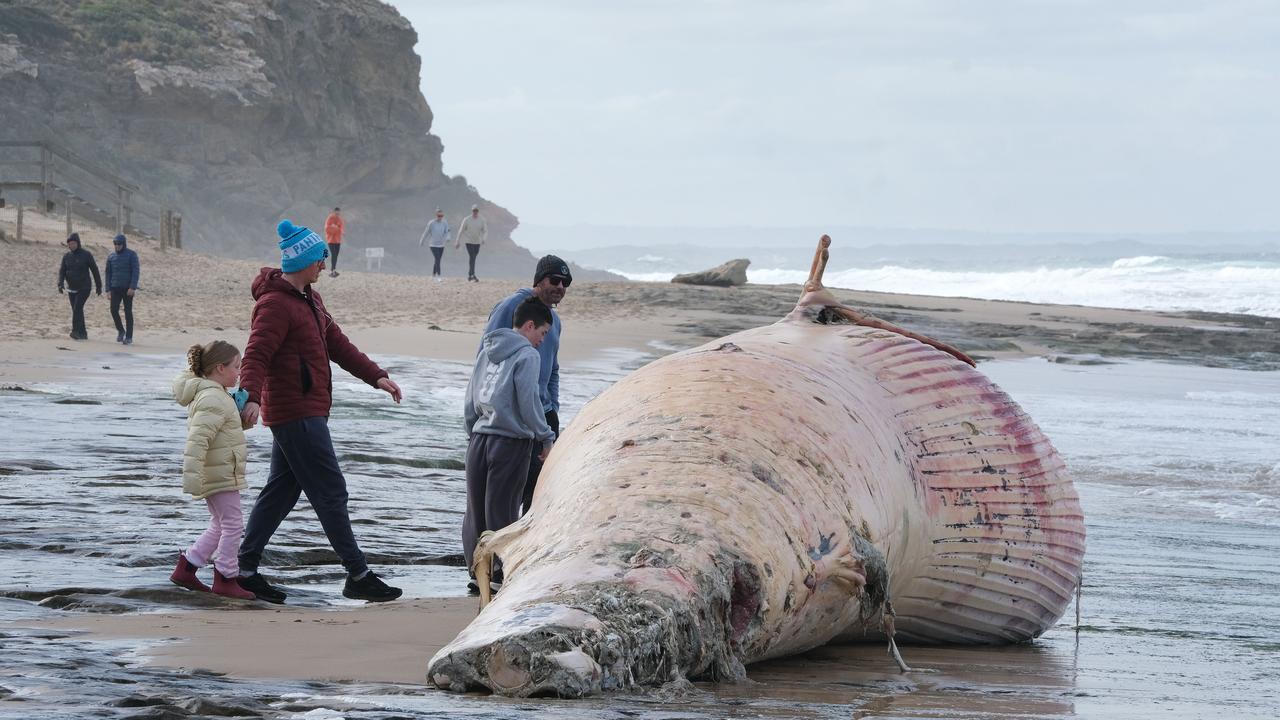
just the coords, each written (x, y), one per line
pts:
(497, 467)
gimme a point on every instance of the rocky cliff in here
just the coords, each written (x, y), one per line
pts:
(242, 112)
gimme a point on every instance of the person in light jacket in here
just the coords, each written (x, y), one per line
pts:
(505, 423)
(551, 281)
(213, 466)
(473, 232)
(438, 233)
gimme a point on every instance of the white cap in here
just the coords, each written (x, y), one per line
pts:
(475, 207)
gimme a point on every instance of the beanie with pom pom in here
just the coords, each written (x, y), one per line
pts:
(299, 247)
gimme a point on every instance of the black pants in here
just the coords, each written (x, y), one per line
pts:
(302, 461)
(78, 298)
(333, 255)
(472, 252)
(121, 295)
(535, 465)
(438, 252)
(496, 470)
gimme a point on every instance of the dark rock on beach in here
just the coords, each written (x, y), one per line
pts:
(728, 274)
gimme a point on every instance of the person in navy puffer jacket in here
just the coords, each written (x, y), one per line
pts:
(123, 270)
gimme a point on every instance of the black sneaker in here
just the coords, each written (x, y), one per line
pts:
(495, 584)
(120, 337)
(371, 588)
(262, 589)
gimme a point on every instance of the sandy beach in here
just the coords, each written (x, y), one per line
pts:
(186, 297)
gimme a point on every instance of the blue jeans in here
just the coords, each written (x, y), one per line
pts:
(302, 461)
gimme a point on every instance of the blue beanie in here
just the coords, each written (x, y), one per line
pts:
(299, 247)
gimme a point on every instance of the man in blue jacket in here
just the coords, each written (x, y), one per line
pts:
(550, 281)
(122, 282)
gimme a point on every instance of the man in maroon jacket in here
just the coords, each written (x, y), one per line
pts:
(287, 375)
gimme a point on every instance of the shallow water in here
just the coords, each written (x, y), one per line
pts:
(1178, 469)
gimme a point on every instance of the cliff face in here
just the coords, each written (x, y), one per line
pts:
(239, 113)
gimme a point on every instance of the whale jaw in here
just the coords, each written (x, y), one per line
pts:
(592, 638)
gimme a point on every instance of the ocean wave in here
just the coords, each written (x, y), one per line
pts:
(424, 463)
(1139, 261)
(1147, 282)
(1265, 479)
(1235, 397)
(661, 277)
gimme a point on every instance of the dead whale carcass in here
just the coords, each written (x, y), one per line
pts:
(768, 493)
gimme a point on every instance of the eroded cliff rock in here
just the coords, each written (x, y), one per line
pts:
(243, 112)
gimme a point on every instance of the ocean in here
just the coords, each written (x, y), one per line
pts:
(1178, 469)
(1120, 275)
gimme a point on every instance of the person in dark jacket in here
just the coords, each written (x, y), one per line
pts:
(286, 373)
(73, 276)
(551, 280)
(123, 270)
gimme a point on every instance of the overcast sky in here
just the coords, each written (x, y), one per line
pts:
(1019, 116)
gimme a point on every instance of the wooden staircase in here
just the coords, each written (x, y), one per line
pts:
(53, 176)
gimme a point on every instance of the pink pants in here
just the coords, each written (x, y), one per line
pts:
(222, 538)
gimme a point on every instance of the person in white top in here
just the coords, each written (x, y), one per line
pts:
(473, 232)
(438, 232)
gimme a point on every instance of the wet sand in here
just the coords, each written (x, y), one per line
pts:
(390, 644)
(385, 643)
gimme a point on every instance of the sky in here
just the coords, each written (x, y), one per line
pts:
(990, 115)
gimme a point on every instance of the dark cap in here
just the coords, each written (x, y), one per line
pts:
(74, 236)
(552, 265)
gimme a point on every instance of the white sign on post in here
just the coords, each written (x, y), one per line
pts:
(370, 256)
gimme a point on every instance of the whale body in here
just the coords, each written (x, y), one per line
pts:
(814, 480)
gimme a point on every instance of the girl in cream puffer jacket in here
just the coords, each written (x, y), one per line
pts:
(213, 465)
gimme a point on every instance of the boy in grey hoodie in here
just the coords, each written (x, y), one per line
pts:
(504, 418)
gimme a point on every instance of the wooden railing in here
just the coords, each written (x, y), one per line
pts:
(53, 176)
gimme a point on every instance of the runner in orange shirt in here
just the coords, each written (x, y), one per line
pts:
(334, 226)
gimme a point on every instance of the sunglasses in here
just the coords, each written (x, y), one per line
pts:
(559, 280)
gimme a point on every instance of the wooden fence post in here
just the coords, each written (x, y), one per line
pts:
(44, 179)
(69, 218)
(119, 210)
(19, 222)
(177, 230)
